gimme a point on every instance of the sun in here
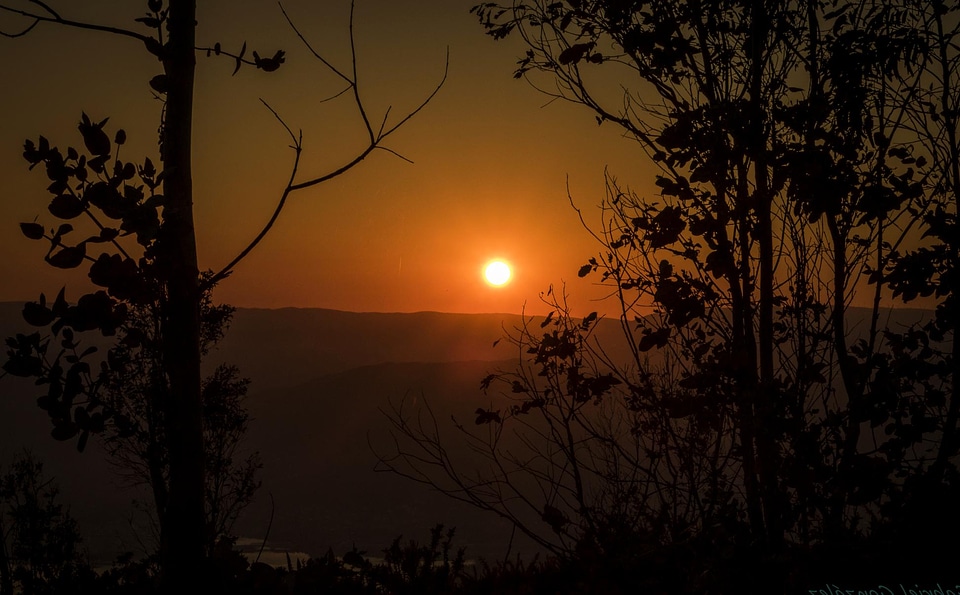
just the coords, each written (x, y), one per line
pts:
(497, 273)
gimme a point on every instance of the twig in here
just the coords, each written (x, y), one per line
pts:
(56, 18)
(297, 148)
(266, 535)
(375, 141)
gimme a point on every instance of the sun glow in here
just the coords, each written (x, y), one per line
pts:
(497, 273)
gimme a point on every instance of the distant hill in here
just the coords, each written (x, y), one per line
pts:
(320, 378)
(318, 465)
(290, 346)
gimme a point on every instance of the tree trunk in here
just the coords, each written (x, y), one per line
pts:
(766, 411)
(183, 523)
(948, 442)
(745, 361)
(6, 579)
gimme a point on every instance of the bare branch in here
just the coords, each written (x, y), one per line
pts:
(297, 148)
(47, 8)
(376, 140)
(53, 17)
(335, 95)
(392, 152)
(21, 33)
(316, 54)
(423, 104)
(375, 143)
(356, 83)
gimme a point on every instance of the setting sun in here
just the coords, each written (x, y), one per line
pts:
(497, 273)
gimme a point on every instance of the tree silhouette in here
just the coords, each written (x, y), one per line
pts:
(134, 389)
(39, 541)
(806, 160)
(162, 268)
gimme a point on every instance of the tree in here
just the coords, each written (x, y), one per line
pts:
(790, 180)
(39, 541)
(135, 389)
(165, 265)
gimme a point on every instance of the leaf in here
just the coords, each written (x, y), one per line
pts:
(240, 58)
(94, 138)
(485, 417)
(547, 320)
(653, 339)
(64, 431)
(106, 198)
(159, 83)
(555, 518)
(669, 224)
(150, 22)
(584, 270)
(66, 206)
(82, 442)
(485, 383)
(33, 231)
(574, 53)
(154, 47)
(23, 366)
(69, 257)
(97, 163)
(37, 314)
(148, 170)
(588, 320)
(143, 221)
(120, 276)
(60, 304)
(269, 64)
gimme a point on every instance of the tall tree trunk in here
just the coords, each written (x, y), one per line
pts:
(767, 446)
(6, 579)
(745, 360)
(948, 442)
(183, 523)
(849, 374)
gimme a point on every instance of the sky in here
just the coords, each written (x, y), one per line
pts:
(492, 157)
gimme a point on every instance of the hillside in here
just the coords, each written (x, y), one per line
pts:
(320, 379)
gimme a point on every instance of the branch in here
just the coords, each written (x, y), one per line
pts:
(20, 34)
(218, 51)
(378, 139)
(266, 64)
(53, 17)
(309, 47)
(297, 148)
(375, 142)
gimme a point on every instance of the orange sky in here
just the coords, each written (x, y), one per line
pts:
(489, 177)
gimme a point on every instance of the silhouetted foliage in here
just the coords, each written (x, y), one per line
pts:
(153, 292)
(123, 401)
(39, 541)
(135, 388)
(807, 156)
